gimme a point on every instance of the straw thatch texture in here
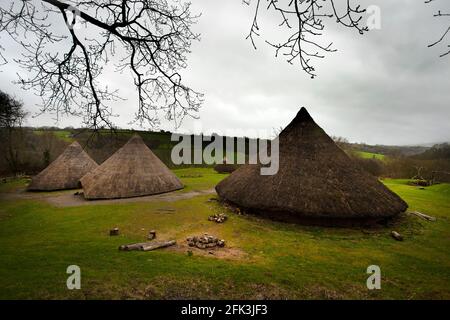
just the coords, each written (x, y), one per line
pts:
(130, 172)
(316, 179)
(65, 172)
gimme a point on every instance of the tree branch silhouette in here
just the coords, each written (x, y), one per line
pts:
(302, 20)
(440, 14)
(151, 39)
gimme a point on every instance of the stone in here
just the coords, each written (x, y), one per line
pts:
(205, 241)
(397, 236)
(218, 217)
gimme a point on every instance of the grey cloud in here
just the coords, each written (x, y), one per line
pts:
(383, 87)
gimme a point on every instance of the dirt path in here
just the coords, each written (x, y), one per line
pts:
(68, 199)
(23, 194)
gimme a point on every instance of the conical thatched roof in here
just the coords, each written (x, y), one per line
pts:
(65, 172)
(316, 179)
(130, 172)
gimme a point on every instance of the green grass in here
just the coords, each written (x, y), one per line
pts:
(61, 134)
(13, 185)
(195, 179)
(273, 260)
(370, 155)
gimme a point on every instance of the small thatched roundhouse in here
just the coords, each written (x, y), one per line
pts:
(65, 172)
(130, 172)
(316, 180)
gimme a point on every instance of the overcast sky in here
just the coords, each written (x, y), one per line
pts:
(385, 87)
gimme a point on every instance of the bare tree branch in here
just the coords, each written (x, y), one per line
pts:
(439, 14)
(151, 39)
(303, 19)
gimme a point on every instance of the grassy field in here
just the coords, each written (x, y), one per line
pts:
(64, 135)
(262, 259)
(160, 143)
(370, 155)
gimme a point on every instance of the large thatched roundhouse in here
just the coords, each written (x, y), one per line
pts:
(316, 180)
(130, 172)
(65, 172)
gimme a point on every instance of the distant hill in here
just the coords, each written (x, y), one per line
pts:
(161, 140)
(431, 144)
(393, 151)
(437, 152)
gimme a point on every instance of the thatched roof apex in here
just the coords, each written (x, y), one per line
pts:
(66, 171)
(316, 179)
(134, 170)
(301, 117)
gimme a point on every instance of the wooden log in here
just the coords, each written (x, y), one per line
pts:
(156, 245)
(397, 236)
(132, 246)
(423, 216)
(165, 210)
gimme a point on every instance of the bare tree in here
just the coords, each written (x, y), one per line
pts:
(11, 111)
(11, 118)
(67, 45)
(440, 15)
(303, 22)
(418, 175)
(342, 142)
